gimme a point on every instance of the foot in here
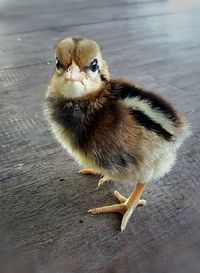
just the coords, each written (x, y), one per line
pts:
(124, 207)
(93, 172)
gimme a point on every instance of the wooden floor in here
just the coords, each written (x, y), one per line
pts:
(45, 227)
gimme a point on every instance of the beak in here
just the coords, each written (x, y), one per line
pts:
(74, 74)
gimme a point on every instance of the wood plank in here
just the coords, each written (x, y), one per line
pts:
(44, 224)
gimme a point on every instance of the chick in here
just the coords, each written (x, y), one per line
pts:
(112, 127)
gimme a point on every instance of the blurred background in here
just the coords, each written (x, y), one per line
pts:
(44, 227)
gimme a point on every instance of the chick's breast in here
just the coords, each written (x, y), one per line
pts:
(113, 139)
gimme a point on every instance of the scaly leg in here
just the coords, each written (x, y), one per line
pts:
(127, 205)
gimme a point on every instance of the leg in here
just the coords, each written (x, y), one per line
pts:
(127, 205)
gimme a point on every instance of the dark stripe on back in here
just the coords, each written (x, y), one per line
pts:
(150, 124)
(131, 91)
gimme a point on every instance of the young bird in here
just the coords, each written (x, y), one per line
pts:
(112, 127)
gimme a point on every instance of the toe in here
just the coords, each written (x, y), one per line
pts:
(126, 217)
(120, 197)
(111, 208)
(102, 182)
(87, 171)
(142, 202)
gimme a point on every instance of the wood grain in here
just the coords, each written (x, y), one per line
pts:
(44, 225)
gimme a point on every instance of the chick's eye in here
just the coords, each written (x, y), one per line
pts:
(58, 64)
(94, 65)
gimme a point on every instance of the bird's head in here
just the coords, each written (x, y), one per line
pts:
(80, 68)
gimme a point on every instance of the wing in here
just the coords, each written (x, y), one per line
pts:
(148, 109)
